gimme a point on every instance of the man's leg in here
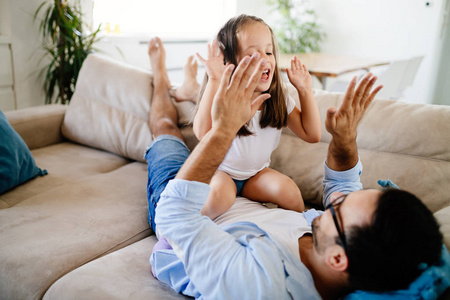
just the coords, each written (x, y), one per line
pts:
(167, 152)
(163, 118)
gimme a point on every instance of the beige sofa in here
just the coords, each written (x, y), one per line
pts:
(81, 232)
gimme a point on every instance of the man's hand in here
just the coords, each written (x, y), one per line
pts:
(233, 105)
(342, 123)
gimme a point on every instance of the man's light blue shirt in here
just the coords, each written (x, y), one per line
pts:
(238, 261)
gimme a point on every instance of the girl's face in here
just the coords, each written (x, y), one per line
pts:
(256, 37)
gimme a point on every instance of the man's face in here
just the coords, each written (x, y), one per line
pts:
(357, 209)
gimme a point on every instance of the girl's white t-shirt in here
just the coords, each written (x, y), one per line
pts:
(250, 154)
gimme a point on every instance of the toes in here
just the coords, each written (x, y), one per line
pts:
(159, 42)
(152, 46)
(191, 62)
(155, 44)
(191, 66)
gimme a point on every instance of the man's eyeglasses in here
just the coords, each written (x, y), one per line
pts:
(338, 201)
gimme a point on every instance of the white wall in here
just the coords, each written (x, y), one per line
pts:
(442, 77)
(135, 52)
(385, 29)
(7, 100)
(135, 48)
(173, 29)
(16, 22)
(371, 28)
(254, 7)
(5, 28)
(26, 51)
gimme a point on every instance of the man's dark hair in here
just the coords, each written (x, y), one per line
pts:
(386, 254)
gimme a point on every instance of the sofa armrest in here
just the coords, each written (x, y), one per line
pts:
(38, 126)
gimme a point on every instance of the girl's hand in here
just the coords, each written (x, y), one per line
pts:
(214, 64)
(299, 75)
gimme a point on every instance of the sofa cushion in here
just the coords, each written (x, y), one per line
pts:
(123, 274)
(113, 117)
(66, 163)
(16, 162)
(63, 227)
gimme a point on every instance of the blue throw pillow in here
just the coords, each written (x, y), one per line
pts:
(16, 162)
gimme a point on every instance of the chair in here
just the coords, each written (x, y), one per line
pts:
(395, 78)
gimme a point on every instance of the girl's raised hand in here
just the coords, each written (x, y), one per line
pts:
(214, 64)
(299, 75)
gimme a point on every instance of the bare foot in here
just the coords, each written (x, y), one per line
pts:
(188, 91)
(157, 55)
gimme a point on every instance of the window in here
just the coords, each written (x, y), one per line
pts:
(169, 19)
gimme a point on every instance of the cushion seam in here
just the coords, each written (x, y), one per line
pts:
(24, 120)
(400, 154)
(408, 155)
(67, 222)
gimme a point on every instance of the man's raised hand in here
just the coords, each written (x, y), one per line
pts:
(342, 122)
(233, 105)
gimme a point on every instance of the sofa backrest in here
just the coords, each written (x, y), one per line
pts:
(109, 109)
(407, 143)
(39, 126)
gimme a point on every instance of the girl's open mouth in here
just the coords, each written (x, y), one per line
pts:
(265, 75)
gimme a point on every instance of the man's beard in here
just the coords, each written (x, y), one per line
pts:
(315, 227)
(320, 240)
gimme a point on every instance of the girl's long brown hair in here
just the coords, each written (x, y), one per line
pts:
(274, 110)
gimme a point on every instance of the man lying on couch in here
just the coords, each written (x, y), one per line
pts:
(365, 240)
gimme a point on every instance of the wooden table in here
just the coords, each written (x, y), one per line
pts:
(324, 65)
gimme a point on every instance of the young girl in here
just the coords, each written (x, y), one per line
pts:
(244, 170)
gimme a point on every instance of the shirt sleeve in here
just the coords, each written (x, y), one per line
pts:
(212, 257)
(341, 181)
(290, 103)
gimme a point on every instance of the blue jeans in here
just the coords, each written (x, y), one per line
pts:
(239, 186)
(165, 156)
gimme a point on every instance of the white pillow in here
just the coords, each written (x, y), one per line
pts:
(110, 107)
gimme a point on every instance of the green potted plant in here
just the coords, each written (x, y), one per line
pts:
(295, 26)
(67, 43)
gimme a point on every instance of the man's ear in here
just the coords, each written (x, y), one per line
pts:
(336, 258)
